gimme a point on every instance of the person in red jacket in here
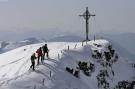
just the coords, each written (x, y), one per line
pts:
(39, 53)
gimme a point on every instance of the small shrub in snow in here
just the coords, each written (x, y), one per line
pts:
(69, 70)
(112, 51)
(101, 79)
(74, 72)
(125, 85)
(87, 68)
(96, 54)
(107, 56)
(77, 72)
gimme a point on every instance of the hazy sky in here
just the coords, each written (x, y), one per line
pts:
(26, 17)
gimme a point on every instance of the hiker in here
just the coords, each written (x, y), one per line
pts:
(39, 53)
(45, 51)
(33, 57)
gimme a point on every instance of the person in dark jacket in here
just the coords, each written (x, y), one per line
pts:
(45, 51)
(33, 57)
(39, 53)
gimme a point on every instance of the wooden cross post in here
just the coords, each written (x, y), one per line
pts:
(87, 16)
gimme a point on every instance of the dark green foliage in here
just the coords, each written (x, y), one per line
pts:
(107, 56)
(125, 85)
(87, 68)
(101, 79)
(74, 72)
(69, 70)
(96, 54)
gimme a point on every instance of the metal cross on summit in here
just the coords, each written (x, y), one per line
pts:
(87, 16)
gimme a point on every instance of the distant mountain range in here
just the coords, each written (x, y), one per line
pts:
(6, 46)
(66, 38)
(125, 41)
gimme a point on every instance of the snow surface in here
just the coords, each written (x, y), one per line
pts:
(15, 72)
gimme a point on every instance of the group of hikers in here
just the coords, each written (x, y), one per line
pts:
(41, 52)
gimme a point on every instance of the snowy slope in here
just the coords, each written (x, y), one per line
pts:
(15, 72)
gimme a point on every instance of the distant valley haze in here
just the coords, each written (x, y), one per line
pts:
(22, 19)
(53, 20)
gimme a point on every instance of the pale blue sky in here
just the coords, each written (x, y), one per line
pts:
(24, 16)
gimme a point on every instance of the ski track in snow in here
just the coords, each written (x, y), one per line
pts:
(11, 62)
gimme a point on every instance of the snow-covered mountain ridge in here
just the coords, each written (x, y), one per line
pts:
(97, 69)
(10, 45)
